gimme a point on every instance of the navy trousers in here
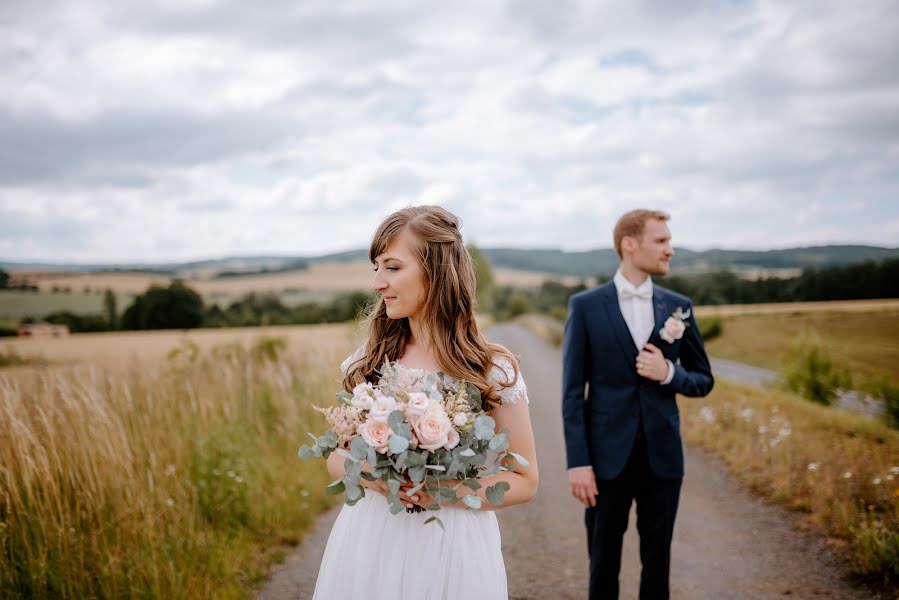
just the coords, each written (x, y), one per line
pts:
(606, 523)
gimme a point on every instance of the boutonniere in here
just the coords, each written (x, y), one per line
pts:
(675, 325)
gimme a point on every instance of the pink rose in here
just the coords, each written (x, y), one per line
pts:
(673, 330)
(432, 429)
(417, 405)
(376, 434)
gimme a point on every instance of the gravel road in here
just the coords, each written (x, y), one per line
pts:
(728, 544)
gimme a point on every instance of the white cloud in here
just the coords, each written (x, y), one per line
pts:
(172, 130)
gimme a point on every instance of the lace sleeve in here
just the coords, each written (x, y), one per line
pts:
(503, 372)
(349, 360)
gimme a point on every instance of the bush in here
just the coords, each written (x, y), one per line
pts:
(174, 307)
(709, 327)
(881, 387)
(811, 371)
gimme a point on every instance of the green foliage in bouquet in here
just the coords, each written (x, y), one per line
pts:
(443, 473)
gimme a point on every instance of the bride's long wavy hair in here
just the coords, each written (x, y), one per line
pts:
(448, 309)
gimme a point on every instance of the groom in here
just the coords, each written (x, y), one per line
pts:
(630, 346)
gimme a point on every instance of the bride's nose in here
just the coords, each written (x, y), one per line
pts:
(378, 284)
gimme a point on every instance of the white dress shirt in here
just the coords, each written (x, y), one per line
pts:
(636, 308)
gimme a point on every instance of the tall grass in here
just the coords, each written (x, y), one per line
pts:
(841, 469)
(166, 482)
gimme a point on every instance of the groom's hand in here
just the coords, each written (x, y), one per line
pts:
(651, 363)
(583, 486)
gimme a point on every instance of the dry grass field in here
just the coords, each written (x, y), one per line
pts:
(129, 471)
(840, 470)
(122, 349)
(336, 276)
(863, 336)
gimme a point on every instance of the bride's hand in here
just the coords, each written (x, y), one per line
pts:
(380, 486)
(421, 497)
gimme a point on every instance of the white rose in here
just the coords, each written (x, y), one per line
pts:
(382, 406)
(432, 429)
(460, 419)
(673, 330)
(452, 439)
(362, 396)
(417, 405)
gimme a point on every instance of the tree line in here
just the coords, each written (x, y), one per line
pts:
(177, 306)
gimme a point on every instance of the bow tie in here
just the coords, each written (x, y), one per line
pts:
(645, 293)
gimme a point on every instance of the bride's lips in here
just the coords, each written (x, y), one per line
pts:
(389, 299)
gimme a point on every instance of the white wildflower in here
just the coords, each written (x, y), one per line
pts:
(894, 470)
(231, 474)
(746, 414)
(876, 481)
(304, 493)
(847, 475)
(170, 502)
(813, 466)
(707, 414)
(763, 429)
(170, 470)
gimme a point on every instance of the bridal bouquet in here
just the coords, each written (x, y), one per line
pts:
(418, 432)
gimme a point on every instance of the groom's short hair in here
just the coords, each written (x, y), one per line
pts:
(632, 224)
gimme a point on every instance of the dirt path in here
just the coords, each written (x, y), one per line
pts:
(727, 543)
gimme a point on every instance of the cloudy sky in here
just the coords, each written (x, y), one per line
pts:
(176, 129)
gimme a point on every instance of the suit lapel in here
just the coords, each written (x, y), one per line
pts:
(616, 319)
(660, 313)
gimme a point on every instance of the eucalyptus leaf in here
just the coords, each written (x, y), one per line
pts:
(335, 488)
(467, 452)
(484, 427)
(394, 486)
(435, 467)
(398, 444)
(359, 448)
(372, 456)
(344, 396)
(495, 496)
(473, 484)
(499, 443)
(435, 519)
(518, 458)
(353, 470)
(353, 493)
(416, 474)
(346, 454)
(305, 452)
(472, 501)
(395, 419)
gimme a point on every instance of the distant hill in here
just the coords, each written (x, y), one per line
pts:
(588, 263)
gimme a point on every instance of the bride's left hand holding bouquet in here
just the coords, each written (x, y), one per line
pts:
(416, 433)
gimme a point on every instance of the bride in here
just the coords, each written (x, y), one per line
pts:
(424, 319)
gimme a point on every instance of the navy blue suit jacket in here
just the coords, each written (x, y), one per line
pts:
(599, 358)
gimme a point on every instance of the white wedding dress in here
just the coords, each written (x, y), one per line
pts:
(374, 555)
